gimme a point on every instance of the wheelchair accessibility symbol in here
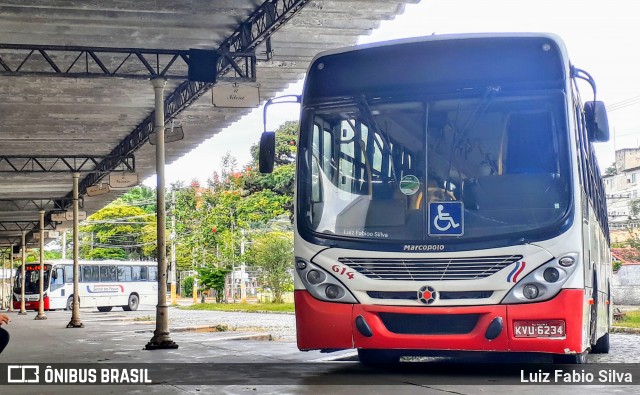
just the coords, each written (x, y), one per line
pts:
(446, 219)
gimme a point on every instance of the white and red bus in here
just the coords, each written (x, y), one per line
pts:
(448, 198)
(101, 284)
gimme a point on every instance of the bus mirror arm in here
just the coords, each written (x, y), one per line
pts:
(594, 111)
(583, 75)
(267, 153)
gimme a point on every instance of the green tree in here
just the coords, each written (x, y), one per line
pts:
(272, 253)
(611, 170)
(213, 278)
(116, 232)
(187, 286)
(140, 196)
(286, 137)
(100, 253)
(282, 180)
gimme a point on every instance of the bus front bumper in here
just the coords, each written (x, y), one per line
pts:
(31, 304)
(324, 325)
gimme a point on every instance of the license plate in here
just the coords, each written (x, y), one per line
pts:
(552, 328)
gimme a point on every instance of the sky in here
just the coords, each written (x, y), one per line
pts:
(602, 37)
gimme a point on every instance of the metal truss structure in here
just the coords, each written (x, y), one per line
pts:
(257, 28)
(63, 164)
(236, 62)
(95, 62)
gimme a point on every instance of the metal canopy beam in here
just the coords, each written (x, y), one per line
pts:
(23, 204)
(94, 62)
(17, 225)
(259, 26)
(62, 164)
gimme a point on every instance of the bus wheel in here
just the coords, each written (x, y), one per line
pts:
(602, 345)
(104, 309)
(369, 357)
(570, 359)
(133, 303)
(70, 303)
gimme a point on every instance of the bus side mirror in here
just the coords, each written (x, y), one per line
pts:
(597, 121)
(267, 154)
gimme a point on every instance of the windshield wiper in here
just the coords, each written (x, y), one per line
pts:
(365, 111)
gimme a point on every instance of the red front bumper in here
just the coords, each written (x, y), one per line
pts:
(32, 305)
(324, 325)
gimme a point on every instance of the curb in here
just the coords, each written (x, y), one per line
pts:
(238, 311)
(216, 329)
(624, 329)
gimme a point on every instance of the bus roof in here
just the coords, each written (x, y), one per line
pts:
(459, 61)
(444, 37)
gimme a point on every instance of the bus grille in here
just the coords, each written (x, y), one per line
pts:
(442, 295)
(422, 269)
(429, 324)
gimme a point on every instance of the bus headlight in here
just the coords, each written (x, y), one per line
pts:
(332, 291)
(314, 276)
(321, 284)
(551, 274)
(301, 264)
(530, 291)
(543, 283)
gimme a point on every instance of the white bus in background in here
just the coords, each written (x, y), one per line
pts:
(102, 284)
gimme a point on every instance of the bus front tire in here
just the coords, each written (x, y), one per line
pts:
(104, 309)
(602, 345)
(370, 357)
(133, 303)
(70, 303)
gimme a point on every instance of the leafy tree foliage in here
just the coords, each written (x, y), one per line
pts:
(272, 252)
(116, 232)
(286, 138)
(141, 196)
(187, 286)
(208, 221)
(213, 278)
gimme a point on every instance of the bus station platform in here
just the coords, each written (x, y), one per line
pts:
(118, 337)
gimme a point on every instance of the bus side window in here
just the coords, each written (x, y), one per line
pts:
(153, 273)
(57, 279)
(135, 273)
(86, 273)
(68, 274)
(144, 275)
(107, 273)
(91, 274)
(124, 273)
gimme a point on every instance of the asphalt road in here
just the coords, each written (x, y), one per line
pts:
(256, 354)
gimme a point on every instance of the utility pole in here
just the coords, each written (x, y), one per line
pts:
(4, 273)
(161, 338)
(194, 287)
(23, 310)
(243, 284)
(41, 315)
(174, 300)
(75, 304)
(11, 278)
(64, 245)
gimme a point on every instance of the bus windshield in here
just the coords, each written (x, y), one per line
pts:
(371, 168)
(32, 279)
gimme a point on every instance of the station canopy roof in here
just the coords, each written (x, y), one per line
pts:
(76, 96)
